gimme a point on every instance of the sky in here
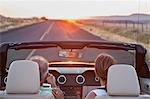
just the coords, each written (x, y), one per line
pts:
(72, 8)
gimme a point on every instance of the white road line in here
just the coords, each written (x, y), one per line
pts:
(41, 38)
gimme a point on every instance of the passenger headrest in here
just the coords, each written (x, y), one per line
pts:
(23, 77)
(122, 80)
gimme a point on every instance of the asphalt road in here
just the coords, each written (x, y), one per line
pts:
(45, 31)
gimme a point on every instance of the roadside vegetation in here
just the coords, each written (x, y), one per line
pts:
(132, 33)
(7, 23)
(119, 32)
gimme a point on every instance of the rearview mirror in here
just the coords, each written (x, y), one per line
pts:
(69, 54)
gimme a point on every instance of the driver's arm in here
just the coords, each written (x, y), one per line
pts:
(57, 92)
(51, 80)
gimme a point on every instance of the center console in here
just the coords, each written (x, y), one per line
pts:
(72, 92)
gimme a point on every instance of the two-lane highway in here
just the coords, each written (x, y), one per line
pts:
(67, 31)
(47, 31)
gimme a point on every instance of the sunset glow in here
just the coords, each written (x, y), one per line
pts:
(72, 9)
(71, 20)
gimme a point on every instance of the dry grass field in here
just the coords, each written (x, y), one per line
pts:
(121, 33)
(10, 23)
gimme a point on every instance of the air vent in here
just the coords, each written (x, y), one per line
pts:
(80, 79)
(61, 79)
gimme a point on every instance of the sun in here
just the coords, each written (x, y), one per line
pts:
(70, 20)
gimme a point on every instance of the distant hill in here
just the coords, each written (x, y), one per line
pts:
(8, 19)
(2, 17)
(142, 18)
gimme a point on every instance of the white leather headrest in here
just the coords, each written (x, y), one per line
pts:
(23, 77)
(122, 80)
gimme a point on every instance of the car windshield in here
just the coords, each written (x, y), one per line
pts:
(86, 55)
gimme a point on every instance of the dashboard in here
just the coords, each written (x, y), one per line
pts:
(75, 82)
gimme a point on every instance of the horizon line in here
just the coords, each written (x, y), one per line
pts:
(82, 17)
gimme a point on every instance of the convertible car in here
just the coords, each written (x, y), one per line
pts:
(72, 63)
